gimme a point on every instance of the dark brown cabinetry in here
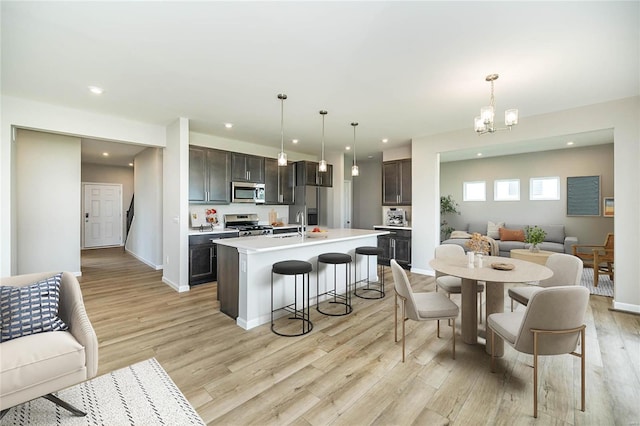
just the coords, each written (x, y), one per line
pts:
(308, 173)
(203, 257)
(396, 245)
(209, 176)
(279, 182)
(247, 168)
(396, 183)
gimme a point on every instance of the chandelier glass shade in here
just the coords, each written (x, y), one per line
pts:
(485, 123)
(354, 169)
(323, 164)
(282, 156)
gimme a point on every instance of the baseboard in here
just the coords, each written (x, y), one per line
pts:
(176, 287)
(625, 307)
(145, 261)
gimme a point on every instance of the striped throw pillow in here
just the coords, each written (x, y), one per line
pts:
(30, 309)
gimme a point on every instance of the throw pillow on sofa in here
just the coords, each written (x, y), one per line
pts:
(511, 234)
(30, 309)
(493, 229)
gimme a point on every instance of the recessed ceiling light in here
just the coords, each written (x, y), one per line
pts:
(294, 140)
(385, 140)
(348, 148)
(570, 143)
(105, 154)
(369, 156)
(130, 164)
(96, 90)
(479, 154)
(228, 125)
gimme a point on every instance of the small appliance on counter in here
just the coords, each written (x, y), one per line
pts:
(247, 224)
(396, 217)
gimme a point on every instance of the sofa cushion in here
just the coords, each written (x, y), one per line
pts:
(38, 358)
(479, 227)
(511, 234)
(460, 234)
(493, 229)
(30, 309)
(555, 233)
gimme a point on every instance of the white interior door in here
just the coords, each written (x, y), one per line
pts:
(348, 204)
(102, 215)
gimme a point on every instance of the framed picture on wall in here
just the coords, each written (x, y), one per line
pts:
(583, 196)
(607, 206)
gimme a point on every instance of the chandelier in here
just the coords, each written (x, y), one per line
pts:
(282, 156)
(323, 164)
(485, 123)
(354, 169)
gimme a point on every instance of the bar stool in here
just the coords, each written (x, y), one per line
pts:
(295, 268)
(335, 259)
(378, 286)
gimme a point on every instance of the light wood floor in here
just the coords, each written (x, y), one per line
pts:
(348, 370)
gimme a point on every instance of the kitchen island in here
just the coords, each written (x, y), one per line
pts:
(244, 269)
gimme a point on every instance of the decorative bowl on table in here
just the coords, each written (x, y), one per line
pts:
(317, 233)
(502, 266)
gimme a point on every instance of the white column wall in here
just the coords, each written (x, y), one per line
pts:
(175, 202)
(621, 115)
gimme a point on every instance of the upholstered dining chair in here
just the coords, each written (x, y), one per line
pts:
(422, 306)
(552, 324)
(567, 270)
(600, 258)
(452, 284)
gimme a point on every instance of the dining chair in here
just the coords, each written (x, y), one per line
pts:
(421, 306)
(451, 284)
(567, 270)
(551, 324)
(600, 258)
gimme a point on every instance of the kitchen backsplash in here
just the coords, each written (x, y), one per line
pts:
(237, 208)
(407, 209)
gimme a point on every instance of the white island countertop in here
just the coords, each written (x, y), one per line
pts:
(266, 243)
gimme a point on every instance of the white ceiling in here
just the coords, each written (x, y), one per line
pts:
(401, 69)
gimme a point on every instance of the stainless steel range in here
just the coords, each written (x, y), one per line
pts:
(247, 224)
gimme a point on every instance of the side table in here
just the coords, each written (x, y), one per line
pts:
(540, 257)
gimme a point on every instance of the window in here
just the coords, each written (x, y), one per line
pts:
(506, 190)
(544, 188)
(474, 191)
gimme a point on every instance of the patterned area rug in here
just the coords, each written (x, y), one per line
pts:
(141, 394)
(605, 286)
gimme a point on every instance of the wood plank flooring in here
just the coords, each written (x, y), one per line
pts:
(348, 370)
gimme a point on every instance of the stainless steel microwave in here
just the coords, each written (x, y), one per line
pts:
(247, 192)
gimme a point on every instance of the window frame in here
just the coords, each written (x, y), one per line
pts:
(543, 197)
(464, 190)
(495, 190)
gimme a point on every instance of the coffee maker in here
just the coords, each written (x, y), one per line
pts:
(396, 217)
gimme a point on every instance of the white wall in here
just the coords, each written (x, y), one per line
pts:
(100, 173)
(48, 198)
(28, 114)
(621, 115)
(175, 206)
(145, 239)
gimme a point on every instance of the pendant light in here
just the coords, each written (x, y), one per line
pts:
(354, 168)
(282, 156)
(323, 164)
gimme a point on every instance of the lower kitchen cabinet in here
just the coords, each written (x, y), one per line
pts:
(395, 245)
(203, 262)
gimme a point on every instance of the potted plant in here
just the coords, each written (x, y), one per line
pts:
(447, 206)
(534, 236)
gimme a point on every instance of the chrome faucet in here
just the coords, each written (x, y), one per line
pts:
(300, 220)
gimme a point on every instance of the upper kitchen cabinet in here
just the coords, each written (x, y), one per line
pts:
(209, 175)
(247, 168)
(308, 173)
(279, 182)
(396, 183)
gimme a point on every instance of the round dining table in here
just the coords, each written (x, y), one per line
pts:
(521, 272)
